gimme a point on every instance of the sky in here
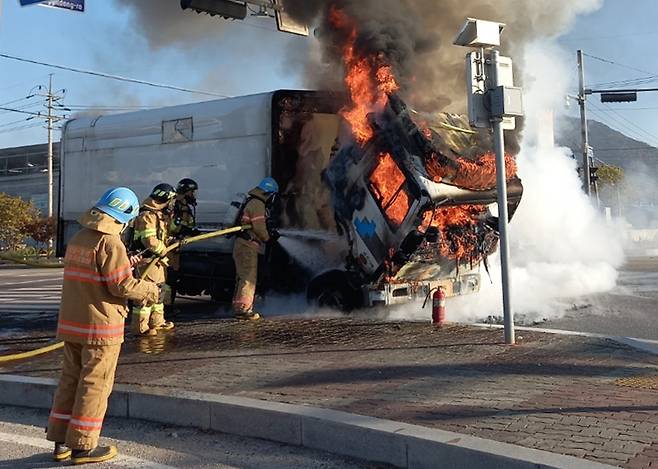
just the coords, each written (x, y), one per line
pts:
(243, 57)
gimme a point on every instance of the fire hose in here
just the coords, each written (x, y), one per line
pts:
(151, 265)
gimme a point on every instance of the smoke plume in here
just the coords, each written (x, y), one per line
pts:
(416, 36)
(163, 23)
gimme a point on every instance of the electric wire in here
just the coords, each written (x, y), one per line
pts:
(113, 77)
(641, 135)
(612, 62)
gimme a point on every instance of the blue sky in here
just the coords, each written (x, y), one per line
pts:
(252, 56)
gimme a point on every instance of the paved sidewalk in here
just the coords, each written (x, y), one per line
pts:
(585, 397)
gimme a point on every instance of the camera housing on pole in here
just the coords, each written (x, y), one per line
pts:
(493, 102)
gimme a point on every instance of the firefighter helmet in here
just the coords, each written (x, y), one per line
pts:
(120, 203)
(186, 185)
(268, 185)
(163, 193)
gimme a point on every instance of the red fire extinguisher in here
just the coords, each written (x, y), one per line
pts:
(439, 306)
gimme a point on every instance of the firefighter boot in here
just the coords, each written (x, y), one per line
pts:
(140, 320)
(61, 452)
(98, 454)
(247, 316)
(157, 320)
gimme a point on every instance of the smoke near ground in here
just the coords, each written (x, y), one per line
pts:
(561, 247)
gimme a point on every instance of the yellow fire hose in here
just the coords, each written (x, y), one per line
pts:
(173, 247)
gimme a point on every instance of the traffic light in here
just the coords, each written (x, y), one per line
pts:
(618, 97)
(592, 174)
(228, 9)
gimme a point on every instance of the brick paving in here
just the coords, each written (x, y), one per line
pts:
(585, 397)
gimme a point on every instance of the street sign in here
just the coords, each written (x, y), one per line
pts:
(73, 5)
(286, 24)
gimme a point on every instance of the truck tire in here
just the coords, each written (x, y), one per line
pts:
(333, 290)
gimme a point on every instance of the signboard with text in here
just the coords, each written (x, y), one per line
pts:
(73, 5)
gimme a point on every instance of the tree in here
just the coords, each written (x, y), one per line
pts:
(610, 175)
(16, 215)
(42, 229)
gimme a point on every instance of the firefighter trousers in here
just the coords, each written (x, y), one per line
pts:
(246, 274)
(81, 398)
(147, 317)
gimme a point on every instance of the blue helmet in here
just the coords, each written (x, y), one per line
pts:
(120, 203)
(268, 185)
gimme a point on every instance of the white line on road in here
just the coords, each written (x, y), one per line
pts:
(120, 461)
(9, 284)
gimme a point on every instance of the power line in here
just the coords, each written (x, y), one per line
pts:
(20, 111)
(628, 129)
(619, 65)
(113, 77)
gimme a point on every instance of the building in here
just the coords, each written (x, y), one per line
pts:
(24, 173)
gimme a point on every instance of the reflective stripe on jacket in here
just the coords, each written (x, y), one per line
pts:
(151, 232)
(98, 281)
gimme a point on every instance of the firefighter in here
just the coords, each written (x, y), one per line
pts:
(183, 222)
(150, 236)
(98, 281)
(251, 243)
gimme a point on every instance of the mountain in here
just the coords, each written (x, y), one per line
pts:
(609, 145)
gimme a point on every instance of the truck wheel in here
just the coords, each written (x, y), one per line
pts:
(333, 290)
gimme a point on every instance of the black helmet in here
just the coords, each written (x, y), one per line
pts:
(186, 185)
(163, 193)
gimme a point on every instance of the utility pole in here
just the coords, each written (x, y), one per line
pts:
(583, 122)
(52, 99)
(50, 152)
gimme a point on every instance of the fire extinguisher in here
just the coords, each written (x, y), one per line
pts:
(438, 306)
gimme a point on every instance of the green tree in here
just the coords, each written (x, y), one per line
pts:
(16, 216)
(610, 175)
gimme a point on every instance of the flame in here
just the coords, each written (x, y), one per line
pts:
(479, 174)
(387, 181)
(369, 80)
(457, 226)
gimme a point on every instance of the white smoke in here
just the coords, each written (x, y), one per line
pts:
(561, 247)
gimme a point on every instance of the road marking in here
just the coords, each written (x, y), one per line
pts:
(120, 461)
(10, 284)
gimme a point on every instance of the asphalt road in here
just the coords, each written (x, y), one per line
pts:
(153, 446)
(630, 309)
(29, 299)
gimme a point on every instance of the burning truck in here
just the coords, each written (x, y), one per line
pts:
(379, 204)
(378, 220)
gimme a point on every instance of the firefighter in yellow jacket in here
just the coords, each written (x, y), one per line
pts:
(98, 281)
(150, 235)
(248, 245)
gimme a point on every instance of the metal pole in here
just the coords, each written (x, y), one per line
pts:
(583, 122)
(501, 184)
(50, 153)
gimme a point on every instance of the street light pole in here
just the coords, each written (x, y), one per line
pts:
(501, 185)
(583, 122)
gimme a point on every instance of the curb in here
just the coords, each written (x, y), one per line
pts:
(644, 345)
(399, 444)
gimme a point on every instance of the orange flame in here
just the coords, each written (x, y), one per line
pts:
(387, 182)
(368, 79)
(457, 226)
